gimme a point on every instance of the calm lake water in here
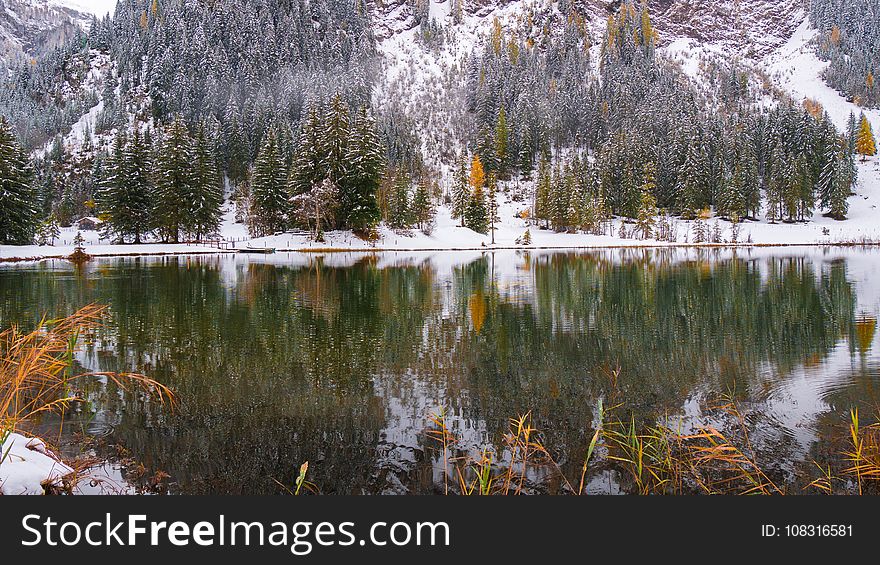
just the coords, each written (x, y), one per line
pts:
(340, 360)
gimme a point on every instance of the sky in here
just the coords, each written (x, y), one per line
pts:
(97, 7)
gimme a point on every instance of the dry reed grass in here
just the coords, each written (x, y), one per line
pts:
(37, 376)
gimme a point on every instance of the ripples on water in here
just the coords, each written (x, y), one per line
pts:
(341, 359)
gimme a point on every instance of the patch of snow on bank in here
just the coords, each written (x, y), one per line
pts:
(27, 465)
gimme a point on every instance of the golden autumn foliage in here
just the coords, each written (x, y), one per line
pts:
(866, 145)
(866, 327)
(814, 108)
(477, 309)
(478, 174)
(497, 36)
(835, 35)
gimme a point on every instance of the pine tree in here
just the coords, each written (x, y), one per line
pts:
(423, 209)
(543, 190)
(269, 200)
(492, 203)
(461, 191)
(141, 191)
(502, 134)
(399, 215)
(308, 167)
(692, 186)
(207, 207)
(560, 192)
(18, 211)
(175, 181)
(836, 179)
(364, 165)
(738, 193)
(477, 213)
(648, 204)
(866, 145)
(113, 191)
(335, 142)
(48, 231)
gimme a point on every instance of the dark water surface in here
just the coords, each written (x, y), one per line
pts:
(340, 360)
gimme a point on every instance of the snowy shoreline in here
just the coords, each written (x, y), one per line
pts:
(371, 250)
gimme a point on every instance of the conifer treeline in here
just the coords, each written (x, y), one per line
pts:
(171, 187)
(642, 124)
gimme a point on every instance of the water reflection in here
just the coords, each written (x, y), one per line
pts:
(339, 360)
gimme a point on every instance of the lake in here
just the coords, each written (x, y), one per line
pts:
(341, 360)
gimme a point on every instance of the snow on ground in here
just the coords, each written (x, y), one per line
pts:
(27, 464)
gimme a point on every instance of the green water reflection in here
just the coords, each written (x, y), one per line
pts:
(339, 360)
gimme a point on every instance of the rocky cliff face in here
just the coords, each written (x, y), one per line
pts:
(747, 26)
(31, 27)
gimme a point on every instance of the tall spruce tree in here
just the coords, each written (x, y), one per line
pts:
(175, 181)
(364, 165)
(308, 168)
(207, 207)
(461, 192)
(269, 197)
(18, 203)
(113, 192)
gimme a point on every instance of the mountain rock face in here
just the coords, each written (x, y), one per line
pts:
(758, 25)
(29, 28)
(751, 27)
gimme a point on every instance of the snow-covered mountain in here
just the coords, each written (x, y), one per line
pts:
(31, 27)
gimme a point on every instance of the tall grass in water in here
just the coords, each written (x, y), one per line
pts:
(661, 460)
(36, 369)
(523, 450)
(863, 454)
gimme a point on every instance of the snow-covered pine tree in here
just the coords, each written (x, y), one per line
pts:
(18, 210)
(423, 208)
(48, 231)
(125, 197)
(560, 194)
(461, 192)
(543, 189)
(502, 135)
(334, 144)
(476, 216)
(364, 165)
(140, 184)
(648, 203)
(691, 178)
(269, 199)
(207, 207)
(175, 181)
(113, 191)
(399, 214)
(308, 167)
